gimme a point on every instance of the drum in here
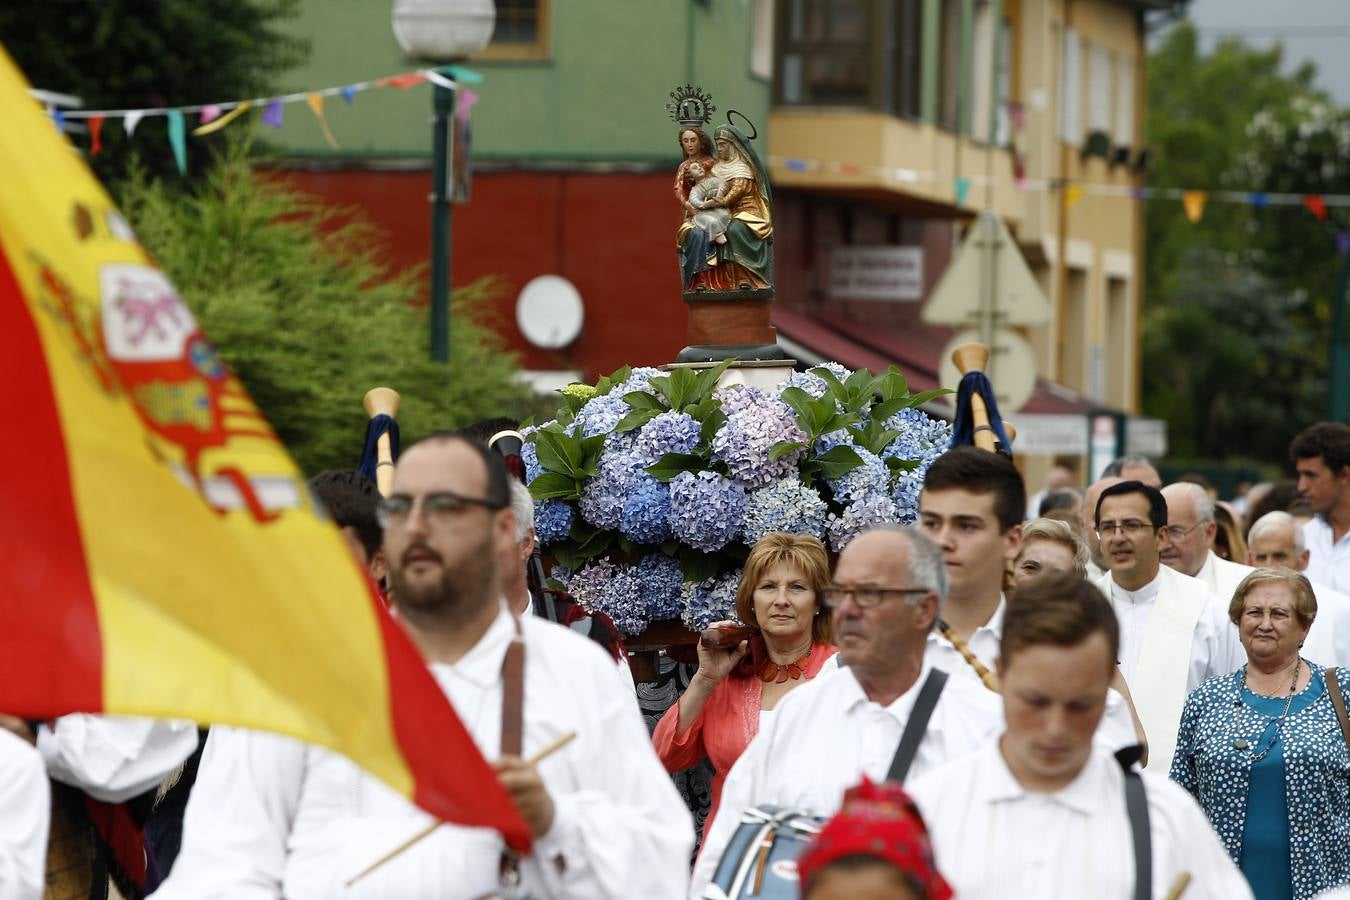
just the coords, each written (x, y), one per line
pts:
(761, 857)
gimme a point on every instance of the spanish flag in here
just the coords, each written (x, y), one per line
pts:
(162, 555)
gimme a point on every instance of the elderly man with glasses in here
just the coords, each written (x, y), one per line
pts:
(1190, 540)
(888, 589)
(1174, 633)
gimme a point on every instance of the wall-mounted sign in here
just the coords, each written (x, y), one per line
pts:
(876, 273)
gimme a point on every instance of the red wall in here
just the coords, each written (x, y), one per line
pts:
(611, 235)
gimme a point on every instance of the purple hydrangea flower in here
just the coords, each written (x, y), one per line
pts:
(645, 517)
(602, 586)
(603, 495)
(659, 584)
(785, 505)
(552, 520)
(812, 383)
(669, 432)
(863, 515)
(872, 477)
(712, 600)
(706, 509)
(756, 421)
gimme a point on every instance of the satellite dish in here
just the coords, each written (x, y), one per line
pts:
(549, 312)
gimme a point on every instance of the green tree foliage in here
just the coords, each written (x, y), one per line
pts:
(128, 54)
(300, 307)
(1234, 344)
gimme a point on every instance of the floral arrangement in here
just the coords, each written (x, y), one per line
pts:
(651, 487)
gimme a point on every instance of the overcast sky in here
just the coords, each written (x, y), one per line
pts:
(1318, 30)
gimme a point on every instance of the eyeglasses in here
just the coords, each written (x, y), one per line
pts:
(439, 507)
(866, 595)
(1177, 533)
(1129, 528)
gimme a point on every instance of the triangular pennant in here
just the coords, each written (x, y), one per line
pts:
(403, 82)
(1072, 194)
(95, 135)
(131, 120)
(464, 105)
(272, 116)
(1194, 204)
(1258, 199)
(348, 92)
(1343, 243)
(224, 120)
(178, 139)
(459, 73)
(315, 101)
(962, 190)
(1317, 206)
(58, 119)
(210, 113)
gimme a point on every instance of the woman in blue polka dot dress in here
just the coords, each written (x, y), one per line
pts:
(1263, 750)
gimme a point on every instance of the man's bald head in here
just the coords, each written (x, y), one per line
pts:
(1276, 540)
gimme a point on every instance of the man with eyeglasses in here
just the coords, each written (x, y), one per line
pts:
(889, 586)
(273, 817)
(1190, 540)
(1174, 633)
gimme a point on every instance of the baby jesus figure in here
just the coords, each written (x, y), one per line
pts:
(706, 196)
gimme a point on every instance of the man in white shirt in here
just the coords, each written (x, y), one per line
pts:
(1190, 540)
(970, 507)
(1097, 567)
(25, 810)
(1276, 540)
(845, 724)
(272, 817)
(1042, 812)
(1174, 633)
(1321, 455)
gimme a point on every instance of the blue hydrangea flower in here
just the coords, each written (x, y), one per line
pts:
(669, 432)
(529, 455)
(905, 495)
(813, 384)
(552, 520)
(600, 415)
(709, 601)
(756, 421)
(639, 380)
(863, 515)
(603, 495)
(872, 477)
(645, 517)
(659, 585)
(785, 505)
(921, 435)
(706, 509)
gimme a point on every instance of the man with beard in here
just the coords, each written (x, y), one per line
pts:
(272, 817)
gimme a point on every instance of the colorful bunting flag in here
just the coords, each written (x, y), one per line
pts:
(315, 101)
(348, 92)
(273, 115)
(178, 139)
(464, 105)
(403, 82)
(210, 112)
(169, 561)
(1072, 194)
(95, 135)
(1194, 204)
(131, 120)
(216, 124)
(1317, 206)
(962, 190)
(1343, 243)
(1258, 199)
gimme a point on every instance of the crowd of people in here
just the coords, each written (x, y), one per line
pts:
(1128, 695)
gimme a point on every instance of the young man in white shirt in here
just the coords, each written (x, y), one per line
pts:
(1042, 812)
(271, 817)
(826, 735)
(1321, 455)
(1174, 633)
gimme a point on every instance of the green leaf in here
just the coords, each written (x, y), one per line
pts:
(923, 397)
(644, 400)
(591, 450)
(800, 401)
(837, 462)
(834, 421)
(672, 464)
(887, 408)
(572, 403)
(901, 465)
(558, 452)
(591, 541)
(620, 375)
(706, 382)
(554, 486)
(635, 420)
(567, 556)
(695, 565)
(891, 384)
(682, 384)
(712, 423)
(834, 387)
(628, 546)
(782, 448)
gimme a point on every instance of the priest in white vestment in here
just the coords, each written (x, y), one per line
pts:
(271, 817)
(1174, 633)
(826, 735)
(1041, 812)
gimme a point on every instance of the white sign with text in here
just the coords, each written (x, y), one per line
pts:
(876, 273)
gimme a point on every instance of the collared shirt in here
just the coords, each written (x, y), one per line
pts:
(995, 839)
(1328, 641)
(114, 758)
(1215, 647)
(1223, 577)
(1117, 726)
(826, 735)
(1328, 558)
(25, 816)
(272, 817)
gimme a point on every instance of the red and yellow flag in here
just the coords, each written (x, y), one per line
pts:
(162, 555)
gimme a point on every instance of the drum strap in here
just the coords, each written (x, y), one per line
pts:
(513, 733)
(1136, 807)
(1338, 702)
(913, 734)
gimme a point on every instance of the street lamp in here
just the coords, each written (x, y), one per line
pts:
(442, 31)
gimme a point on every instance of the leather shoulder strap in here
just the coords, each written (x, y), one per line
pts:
(1338, 701)
(917, 725)
(1136, 807)
(513, 694)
